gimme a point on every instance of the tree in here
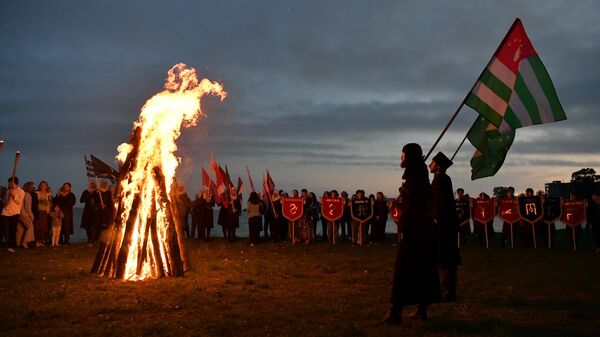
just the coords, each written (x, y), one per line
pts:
(500, 191)
(585, 175)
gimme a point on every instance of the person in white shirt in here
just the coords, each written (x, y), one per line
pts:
(11, 212)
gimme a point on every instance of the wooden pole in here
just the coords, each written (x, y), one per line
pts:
(512, 244)
(487, 243)
(574, 241)
(14, 170)
(459, 146)
(534, 240)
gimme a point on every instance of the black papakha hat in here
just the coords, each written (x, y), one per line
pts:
(442, 161)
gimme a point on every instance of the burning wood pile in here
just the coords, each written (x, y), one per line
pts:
(147, 240)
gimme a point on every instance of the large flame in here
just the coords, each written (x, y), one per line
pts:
(159, 125)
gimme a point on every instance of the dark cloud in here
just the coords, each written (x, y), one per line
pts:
(322, 83)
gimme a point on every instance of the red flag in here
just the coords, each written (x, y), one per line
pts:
(270, 182)
(215, 191)
(250, 179)
(205, 178)
(240, 186)
(213, 163)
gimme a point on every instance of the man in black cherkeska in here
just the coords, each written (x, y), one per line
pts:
(416, 279)
(444, 211)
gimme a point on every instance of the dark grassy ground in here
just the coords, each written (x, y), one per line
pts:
(302, 290)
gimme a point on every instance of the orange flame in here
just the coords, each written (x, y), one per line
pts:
(160, 122)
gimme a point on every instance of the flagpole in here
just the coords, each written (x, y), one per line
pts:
(517, 20)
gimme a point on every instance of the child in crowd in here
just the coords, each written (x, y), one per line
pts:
(56, 217)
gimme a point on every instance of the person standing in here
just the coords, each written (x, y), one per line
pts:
(444, 212)
(107, 208)
(416, 279)
(89, 219)
(255, 212)
(42, 214)
(234, 214)
(381, 211)
(224, 210)
(56, 217)
(66, 200)
(11, 212)
(184, 205)
(463, 209)
(25, 228)
(207, 203)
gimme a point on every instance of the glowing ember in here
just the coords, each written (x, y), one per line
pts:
(147, 241)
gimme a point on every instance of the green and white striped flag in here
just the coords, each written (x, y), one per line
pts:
(491, 145)
(515, 89)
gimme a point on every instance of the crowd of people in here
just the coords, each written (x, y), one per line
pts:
(34, 216)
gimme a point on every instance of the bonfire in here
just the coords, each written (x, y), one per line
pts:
(146, 240)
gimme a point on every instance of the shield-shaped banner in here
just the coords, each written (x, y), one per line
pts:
(332, 208)
(395, 211)
(573, 212)
(463, 210)
(552, 210)
(292, 208)
(484, 210)
(362, 210)
(531, 208)
(508, 210)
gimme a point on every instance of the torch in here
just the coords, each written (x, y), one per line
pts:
(14, 171)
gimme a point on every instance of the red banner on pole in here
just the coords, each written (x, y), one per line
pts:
(508, 210)
(292, 208)
(332, 209)
(573, 212)
(484, 210)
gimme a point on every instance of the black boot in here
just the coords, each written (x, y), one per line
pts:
(421, 313)
(394, 316)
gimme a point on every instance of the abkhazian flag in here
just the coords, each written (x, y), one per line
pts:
(515, 89)
(491, 145)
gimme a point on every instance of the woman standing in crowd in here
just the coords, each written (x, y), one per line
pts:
(255, 212)
(66, 200)
(42, 220)
(89, 219)
(25, 229)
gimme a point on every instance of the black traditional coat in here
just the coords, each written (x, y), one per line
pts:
(416, 279)
(444, 212)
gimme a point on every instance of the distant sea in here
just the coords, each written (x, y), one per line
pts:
(390, 227)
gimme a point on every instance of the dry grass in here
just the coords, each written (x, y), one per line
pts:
(302, 290)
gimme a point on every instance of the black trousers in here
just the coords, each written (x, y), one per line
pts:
(9, 230)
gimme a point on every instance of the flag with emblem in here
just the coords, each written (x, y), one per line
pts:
(515, 89)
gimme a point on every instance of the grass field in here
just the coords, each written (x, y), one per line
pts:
(302, 290)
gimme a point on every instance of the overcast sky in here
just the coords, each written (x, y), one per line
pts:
(324, 94)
